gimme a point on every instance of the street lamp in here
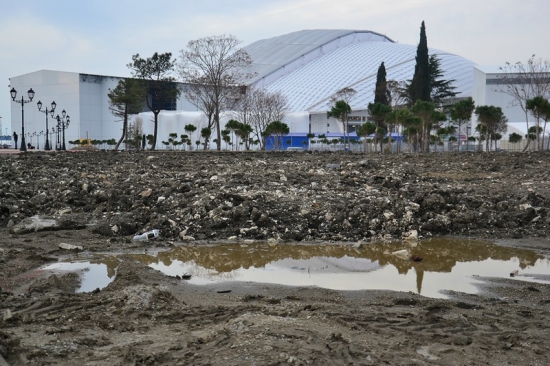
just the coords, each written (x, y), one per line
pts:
(38, 140)
(63, 122)
(39, 104)
(53, 130)
(30, 93)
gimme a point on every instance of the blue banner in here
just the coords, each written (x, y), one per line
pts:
(4, 138)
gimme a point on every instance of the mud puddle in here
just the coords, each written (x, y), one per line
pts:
(446, 264)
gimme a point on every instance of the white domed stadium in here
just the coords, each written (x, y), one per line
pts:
(309, 66)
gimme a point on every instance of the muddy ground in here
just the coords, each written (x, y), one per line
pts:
(100, 200)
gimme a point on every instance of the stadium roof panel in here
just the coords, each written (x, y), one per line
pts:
(289, 51)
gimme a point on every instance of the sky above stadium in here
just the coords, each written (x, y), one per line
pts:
(100, 36)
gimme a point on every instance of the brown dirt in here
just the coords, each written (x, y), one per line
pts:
(100, 200)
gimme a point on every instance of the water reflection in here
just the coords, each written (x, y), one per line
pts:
(287, 264)
(448, 264)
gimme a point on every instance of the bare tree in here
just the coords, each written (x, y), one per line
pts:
(259, 108)
(216, 69)
(397, 93)
(525, 81)
(200, 95)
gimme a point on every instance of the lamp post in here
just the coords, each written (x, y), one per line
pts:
(39, 104)
(57, 136)
(57, 142)
(30, 93)
(38, 140)
(63, 122)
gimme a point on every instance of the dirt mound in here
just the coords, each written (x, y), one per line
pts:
(342, 197)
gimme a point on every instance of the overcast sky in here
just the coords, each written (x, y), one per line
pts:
(100, 36)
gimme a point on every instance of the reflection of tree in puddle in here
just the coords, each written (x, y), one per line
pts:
(111, 263)
(227, 262)
(199, 271)
(440, 255)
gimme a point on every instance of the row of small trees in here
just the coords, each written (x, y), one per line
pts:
(421, 109)
(234, 134)
(214, 71)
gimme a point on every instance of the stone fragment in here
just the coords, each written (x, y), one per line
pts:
(146, 193)
(70, 246)
(34, 224)
(403, 254)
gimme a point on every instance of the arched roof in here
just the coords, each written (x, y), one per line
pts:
(309, 66)
(291, 50)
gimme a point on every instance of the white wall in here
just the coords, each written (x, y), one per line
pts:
(61, 87)
(486, 93)
(320, 124)
(85, 99)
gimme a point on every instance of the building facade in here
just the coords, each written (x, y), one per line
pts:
(308, 67)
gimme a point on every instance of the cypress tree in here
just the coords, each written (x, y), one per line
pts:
(381, 91)
(420, 85)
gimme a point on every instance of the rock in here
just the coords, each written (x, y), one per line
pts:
(411, 236)
(184, 237)
(187, 238)
(70, 246)
(524, 206)
(272, 241)
(39, 199)
(34, 224)
(146, 193)
(7, 314)
(435, 202)
(403, 254)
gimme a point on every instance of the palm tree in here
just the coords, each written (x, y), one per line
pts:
(378, 113)
(365, 130)
(341, 110)
(461, 113)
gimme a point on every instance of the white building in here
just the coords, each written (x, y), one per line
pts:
(308, 67)
(488, 89)
(84, 98)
